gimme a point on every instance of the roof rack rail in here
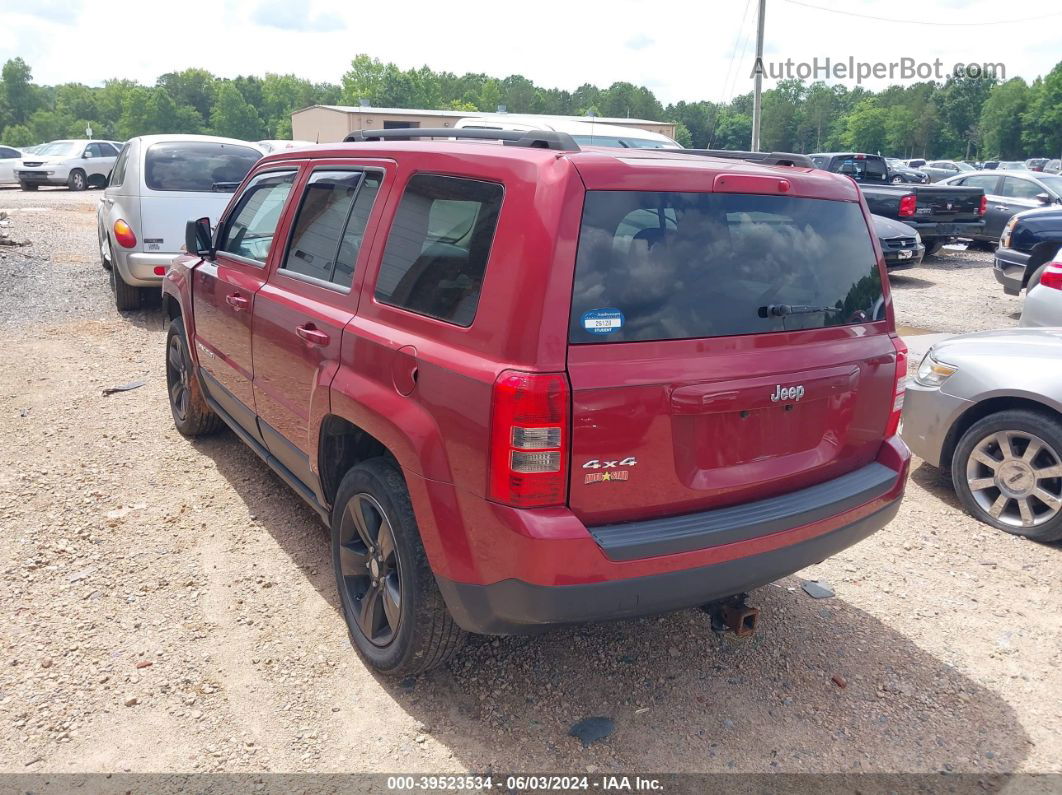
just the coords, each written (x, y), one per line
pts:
(534, 139)
(766, 158)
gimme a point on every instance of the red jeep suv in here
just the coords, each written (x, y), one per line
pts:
(529, 384)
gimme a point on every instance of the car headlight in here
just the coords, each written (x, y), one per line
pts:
(918, 238)
(932, 372)
(1004, 240)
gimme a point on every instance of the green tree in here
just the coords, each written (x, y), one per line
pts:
(191, 88)
(682, 134)
(17, 90)
(1001, 119)
(233, 117)
(865, 128)
(1042, 122)
(17, 135)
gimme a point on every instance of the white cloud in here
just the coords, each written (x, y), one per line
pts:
(684, 51)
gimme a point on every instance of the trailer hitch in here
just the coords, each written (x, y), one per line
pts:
(733, 614)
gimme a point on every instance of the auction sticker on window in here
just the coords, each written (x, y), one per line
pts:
(603, 321)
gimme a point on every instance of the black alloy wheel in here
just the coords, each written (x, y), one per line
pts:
(371, 569)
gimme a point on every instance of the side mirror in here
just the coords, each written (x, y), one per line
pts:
(86, 156)
(1044, 198)
(197, 238)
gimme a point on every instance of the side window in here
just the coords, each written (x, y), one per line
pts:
(1015, 188)
(252, 224)
(118, 172)
(326, 229)
(94, 150)
(437, 249)
(7, 154)
(107, 150)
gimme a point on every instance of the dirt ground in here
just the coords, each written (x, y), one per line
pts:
(159, 588)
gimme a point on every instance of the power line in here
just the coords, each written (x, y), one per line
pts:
(734, 49)
(921, 22)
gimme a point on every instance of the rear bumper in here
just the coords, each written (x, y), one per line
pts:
(935, 230)
(515, 607)
(138, 267)
(538, 568)
(1009, 267)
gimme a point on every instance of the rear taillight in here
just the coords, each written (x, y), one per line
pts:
(908, 205)
(898, 387)
(529, 439)
(1052, 276)
(983, 206)
(123, 233)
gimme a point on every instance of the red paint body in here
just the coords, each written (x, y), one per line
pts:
(423, 388)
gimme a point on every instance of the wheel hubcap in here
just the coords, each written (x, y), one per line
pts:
(1016, 478)
(177, 377)
(370, 569)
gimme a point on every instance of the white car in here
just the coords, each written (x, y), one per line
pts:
(585, 133)
(1043, 301)
(9, 158)
(279, 145)
(77, 164)
(159, 183)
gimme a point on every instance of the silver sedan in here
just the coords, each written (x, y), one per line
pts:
(988, 407)
(1043, 301)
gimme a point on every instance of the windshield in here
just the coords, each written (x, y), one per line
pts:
(659, 266)
(59, 149)
(1052, 182)
(196, 166)
(965, 167)
(621, 142)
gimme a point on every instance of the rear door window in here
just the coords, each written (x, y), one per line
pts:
(327, 229)
(986, 182)
(662, 266)
(197, 167)
(438, 246)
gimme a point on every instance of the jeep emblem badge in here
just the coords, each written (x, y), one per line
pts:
(787, 393)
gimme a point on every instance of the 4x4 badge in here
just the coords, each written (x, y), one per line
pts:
(611, 470)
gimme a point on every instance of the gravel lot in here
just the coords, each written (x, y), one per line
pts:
(160, 588)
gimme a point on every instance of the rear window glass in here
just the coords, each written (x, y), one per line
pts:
(438, 247)
(660, 266)
(861, 169)
(197, 167)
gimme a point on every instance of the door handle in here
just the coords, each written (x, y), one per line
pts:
(237, 301)
(1001, 207)
(312, 334)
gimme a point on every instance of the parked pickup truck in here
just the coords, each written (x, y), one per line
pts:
(1029, 241)
(532, 384)
(940, 214)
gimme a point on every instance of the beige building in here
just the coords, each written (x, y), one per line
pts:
(326, 123)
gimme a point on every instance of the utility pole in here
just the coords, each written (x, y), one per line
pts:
(756, 110)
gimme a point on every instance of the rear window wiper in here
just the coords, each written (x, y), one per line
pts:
(781, 310)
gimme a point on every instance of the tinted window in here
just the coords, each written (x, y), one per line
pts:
(322, 235)
(7, 154)
(1015, 188)
(438, 247)
(861, 169)
(197, 167)
(654, 266)
(118, 172)
(250, 229)
(985, 182)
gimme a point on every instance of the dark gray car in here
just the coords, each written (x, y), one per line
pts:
(988, 407)
(1009, 193)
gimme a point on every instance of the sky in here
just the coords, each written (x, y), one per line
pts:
(681, 50)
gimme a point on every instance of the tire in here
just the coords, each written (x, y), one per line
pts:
(77, 180)
(1034, 280)
(192, 415)
(28, 186)
(897, 180)
(126, 296)
(933, 246)
(105, 261)
(981, 469)
(426, 635)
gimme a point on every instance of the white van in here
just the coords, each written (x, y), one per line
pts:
(585, 133)
(159, 183)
